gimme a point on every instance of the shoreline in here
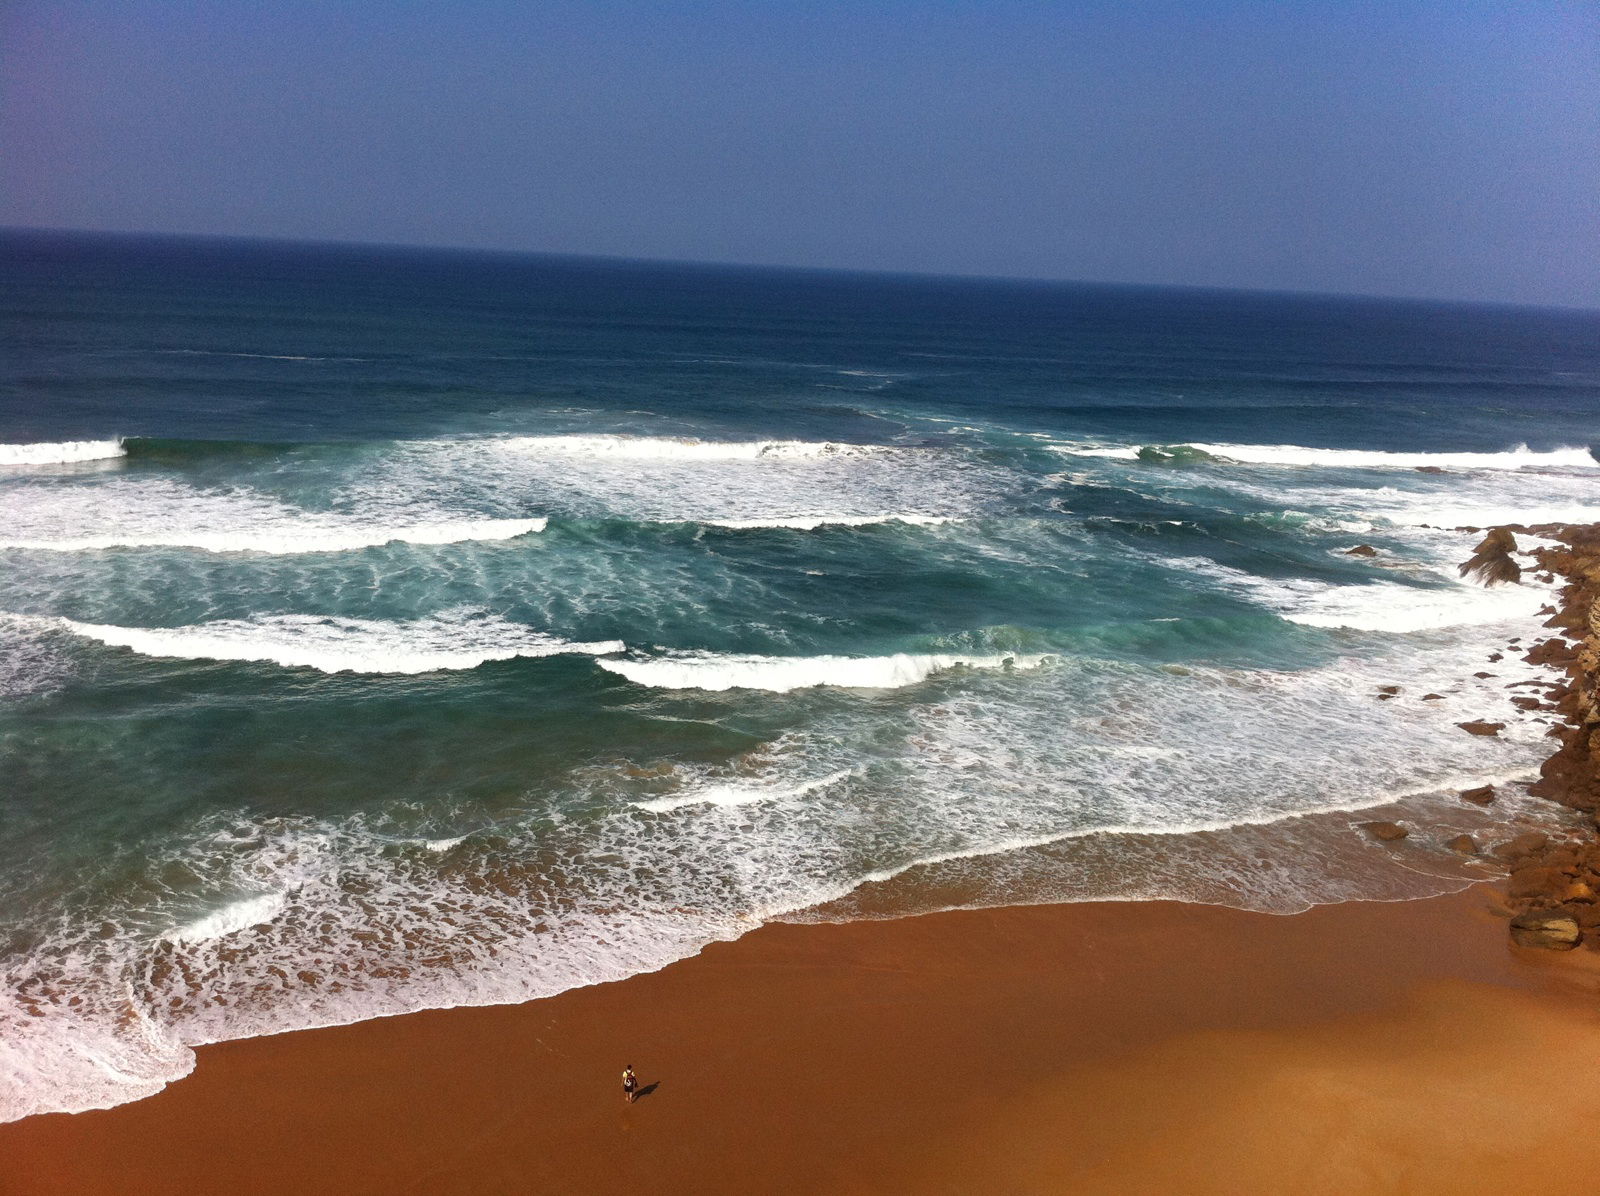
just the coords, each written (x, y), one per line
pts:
(1083, 1047)
(1089, 1046)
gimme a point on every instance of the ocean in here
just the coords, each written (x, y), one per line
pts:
(386, 629)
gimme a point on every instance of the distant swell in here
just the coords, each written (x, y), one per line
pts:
(60, 452)
(455, 640)
(778, 674)
(1520, 457)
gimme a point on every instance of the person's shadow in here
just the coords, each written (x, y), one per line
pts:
(646, 1090)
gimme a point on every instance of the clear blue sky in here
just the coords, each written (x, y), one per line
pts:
(1447, 149)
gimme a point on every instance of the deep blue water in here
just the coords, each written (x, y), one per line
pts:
(388, 628)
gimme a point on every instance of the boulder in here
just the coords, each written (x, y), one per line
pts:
(1552, 930)
(1361, 550)
(1385, 832)
(1536, 881)
(1481, 796)
(1433, 697)
(1463, 845)
(1479, 727)
(1523, 845)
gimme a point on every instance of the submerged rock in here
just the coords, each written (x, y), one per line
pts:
(1463, 845)
(1481, 796)
(1479, 727)
(1361, 550)
(1522, 845)
(1385, 832)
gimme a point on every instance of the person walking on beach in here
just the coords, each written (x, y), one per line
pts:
(630, 1084)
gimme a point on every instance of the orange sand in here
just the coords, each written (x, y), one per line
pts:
(1093, 1048)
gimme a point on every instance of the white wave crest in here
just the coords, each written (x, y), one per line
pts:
(1521, 457)
(233, 917)
(62, 452)
(676, 448)
(779, 674)
(453, 640)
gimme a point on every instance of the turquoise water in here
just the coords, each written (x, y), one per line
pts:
(389, 629)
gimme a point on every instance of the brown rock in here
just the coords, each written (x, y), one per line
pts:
(1385, 832)
(1389, 690)
(1361, 550)
(1491, 562)
(1479, 727)
(1463, 845)
(1577, 891)
(1535, 881)
(1427, 469)
(1523, 845)
(1483, 676)
(1433, 697)
(1481, 796)
(1552, 930)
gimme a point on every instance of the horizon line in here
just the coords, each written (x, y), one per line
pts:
(1043, 280)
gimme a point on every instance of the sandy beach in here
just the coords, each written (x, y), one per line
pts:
(1115, 1047)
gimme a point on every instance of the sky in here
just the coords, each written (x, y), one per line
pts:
(1445, 149)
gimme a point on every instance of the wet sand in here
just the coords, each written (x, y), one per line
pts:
(1111, 1047)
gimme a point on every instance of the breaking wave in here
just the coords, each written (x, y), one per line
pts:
(307, 537)
(810, 523)
(454, 640)
(1521, 457)
(684, 449)
(778, 674)
(60, 452)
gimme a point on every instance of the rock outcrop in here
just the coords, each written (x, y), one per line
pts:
(1553, 883)
(1491, 562)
